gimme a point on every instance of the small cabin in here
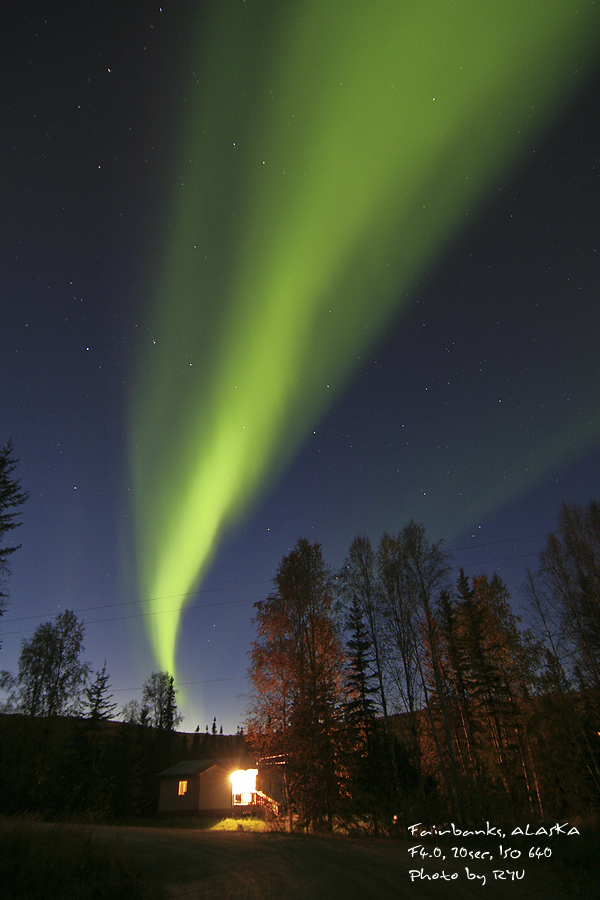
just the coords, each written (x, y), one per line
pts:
(210, 787)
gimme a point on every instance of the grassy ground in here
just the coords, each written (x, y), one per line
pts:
(205, 823)
(43, 862)
(245, 824)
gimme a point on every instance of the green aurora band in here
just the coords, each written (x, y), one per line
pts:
(332, 150)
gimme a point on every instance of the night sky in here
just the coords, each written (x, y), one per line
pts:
(476, 411)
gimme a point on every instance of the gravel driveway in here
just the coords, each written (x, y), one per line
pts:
(233, 865)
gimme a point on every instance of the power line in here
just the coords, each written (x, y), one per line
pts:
(192, 606)
(489, 562)
(147, 600)
(154, 612)
(182, 683)
(160, 612)
(526, 537)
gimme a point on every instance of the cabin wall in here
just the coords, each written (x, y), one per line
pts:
(169, 799)
(215, 790)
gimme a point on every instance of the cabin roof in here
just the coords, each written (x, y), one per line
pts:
(192, 767)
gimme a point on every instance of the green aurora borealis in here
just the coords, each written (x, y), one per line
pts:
(331, 152)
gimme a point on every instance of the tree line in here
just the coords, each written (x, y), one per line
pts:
(62, 754)
(54, 680)
(67, 767)
(390, 690)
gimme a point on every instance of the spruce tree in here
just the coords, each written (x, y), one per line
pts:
(12, 496)
(99, 701)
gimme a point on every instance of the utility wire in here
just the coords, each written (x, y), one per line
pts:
(154, 612)
(526, 537)
(182, 684)
(489, 562)
(82, 609)
(196, 606)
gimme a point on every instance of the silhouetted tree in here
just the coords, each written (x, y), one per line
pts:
(423, 569)
(158, 698)
(12, 496)
(51, 675)
(399, 632)
(296, 669)
(132, 713)
(359, 582)
(99, 701)
(563, 597)
(361, 708)
(464, 714)
(491, 671)
(370, 777)
(569, 589)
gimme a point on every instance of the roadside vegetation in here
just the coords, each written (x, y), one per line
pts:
(245, 824)
(206, 823)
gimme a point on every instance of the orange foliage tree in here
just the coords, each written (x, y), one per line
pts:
(296, 669)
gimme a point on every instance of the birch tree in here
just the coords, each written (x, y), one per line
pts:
(52, 676)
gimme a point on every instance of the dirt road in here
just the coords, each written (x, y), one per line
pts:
(200, 865)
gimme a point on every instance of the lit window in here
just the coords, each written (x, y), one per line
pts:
(182, 788)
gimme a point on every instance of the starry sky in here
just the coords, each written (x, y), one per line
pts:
(476, 410)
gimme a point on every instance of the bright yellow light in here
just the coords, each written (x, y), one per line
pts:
(243, 781)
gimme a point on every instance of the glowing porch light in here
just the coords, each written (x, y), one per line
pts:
(243, 786)
(243, 781)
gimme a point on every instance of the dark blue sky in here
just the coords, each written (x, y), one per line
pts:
(477, 414)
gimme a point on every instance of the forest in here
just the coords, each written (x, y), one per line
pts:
(386, 692)
(395, 693)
